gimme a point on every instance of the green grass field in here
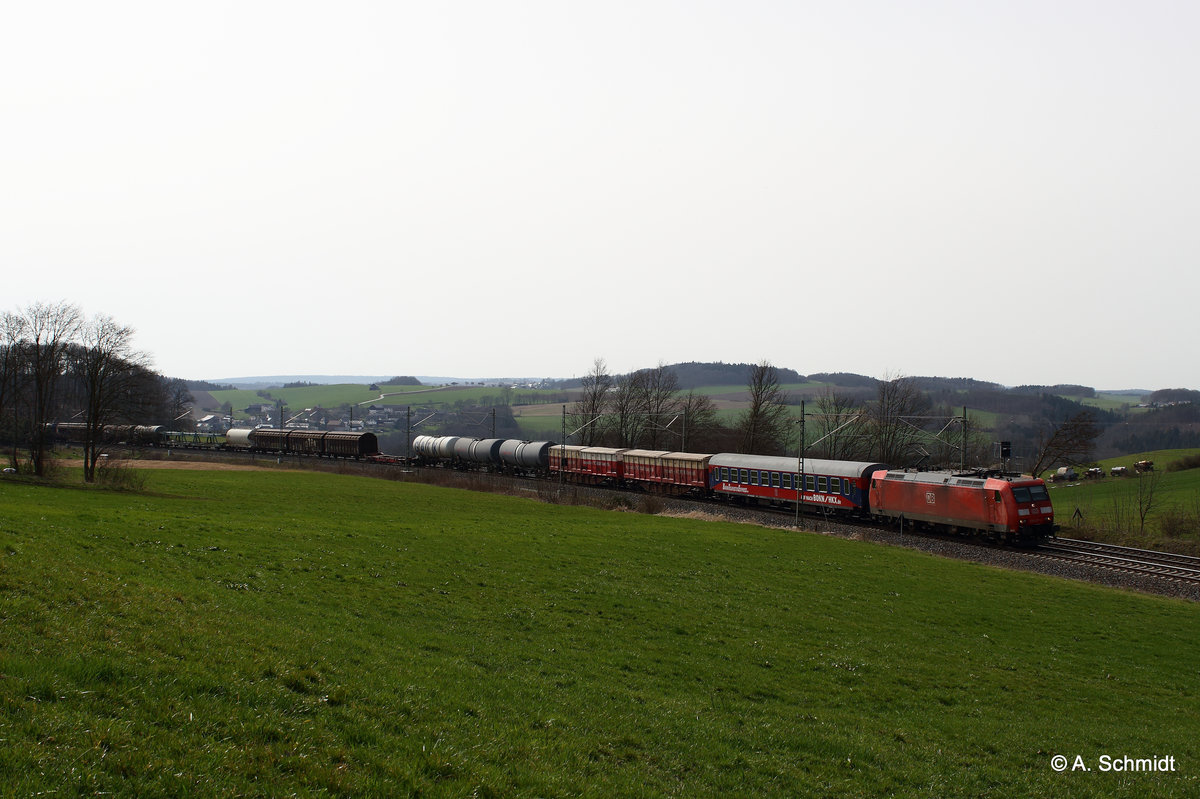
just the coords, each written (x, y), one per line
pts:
(278, 633)
(334, 396)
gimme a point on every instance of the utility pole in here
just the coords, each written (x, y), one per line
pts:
(962, 454)
(800, 467)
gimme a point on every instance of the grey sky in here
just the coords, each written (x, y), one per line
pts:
(1001, 190)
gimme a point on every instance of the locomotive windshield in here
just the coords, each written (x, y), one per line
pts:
(1036, 493)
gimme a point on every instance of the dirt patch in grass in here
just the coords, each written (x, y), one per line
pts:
(208, 466)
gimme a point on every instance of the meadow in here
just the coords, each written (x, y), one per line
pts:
(336, 395)
(275, 632)
(1110, 509)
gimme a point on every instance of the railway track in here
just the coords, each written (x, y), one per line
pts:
(1181, 568)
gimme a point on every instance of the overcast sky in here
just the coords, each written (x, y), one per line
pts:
(1002, 190)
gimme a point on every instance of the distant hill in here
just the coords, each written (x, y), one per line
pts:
(694, 375)
(275, 381)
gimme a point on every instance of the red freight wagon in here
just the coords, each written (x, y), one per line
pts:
(565, 458)
(587, 464)
(602, 464)
(644, 465)
(1013, 508)
(670, 472)
(686, 470)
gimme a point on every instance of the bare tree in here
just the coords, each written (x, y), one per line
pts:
(12, 327)
(1146, 498)
(895, 417)
(833, 428)
(48, 330)
(587, 413)
(1070, 443)
(700, 426)
(763, 427)
(107, 370)
(660, 403)
(179, 401)
(628, 411)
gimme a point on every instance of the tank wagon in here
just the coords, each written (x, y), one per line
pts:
(506, 454)
(527, 455)
(1013, 509)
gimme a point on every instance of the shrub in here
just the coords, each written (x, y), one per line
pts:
(651, 504)
(1177, 523)
(1189, 462)
(120, 475)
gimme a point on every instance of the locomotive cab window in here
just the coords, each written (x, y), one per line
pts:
(1021, 494)
(1039, 494)
(997, 493)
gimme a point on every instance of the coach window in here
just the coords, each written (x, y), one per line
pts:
(822, 484)
(774, 479)
(810, 483)
(835, 485)
(745, 476)
(787, 481)
(754, 477)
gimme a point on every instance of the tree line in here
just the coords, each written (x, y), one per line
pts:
(897, 423)
(646, 409)
(59, 365)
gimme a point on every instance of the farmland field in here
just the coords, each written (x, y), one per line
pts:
(333, 396)
(1109, 509)
(270, 633)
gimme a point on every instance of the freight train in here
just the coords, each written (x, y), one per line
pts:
(323, 443)
(1011, 508)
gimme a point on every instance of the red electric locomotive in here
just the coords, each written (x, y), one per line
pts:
(1014, 509)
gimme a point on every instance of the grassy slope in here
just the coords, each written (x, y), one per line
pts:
(1108, 507)
(1174, 488)
(272, 632)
